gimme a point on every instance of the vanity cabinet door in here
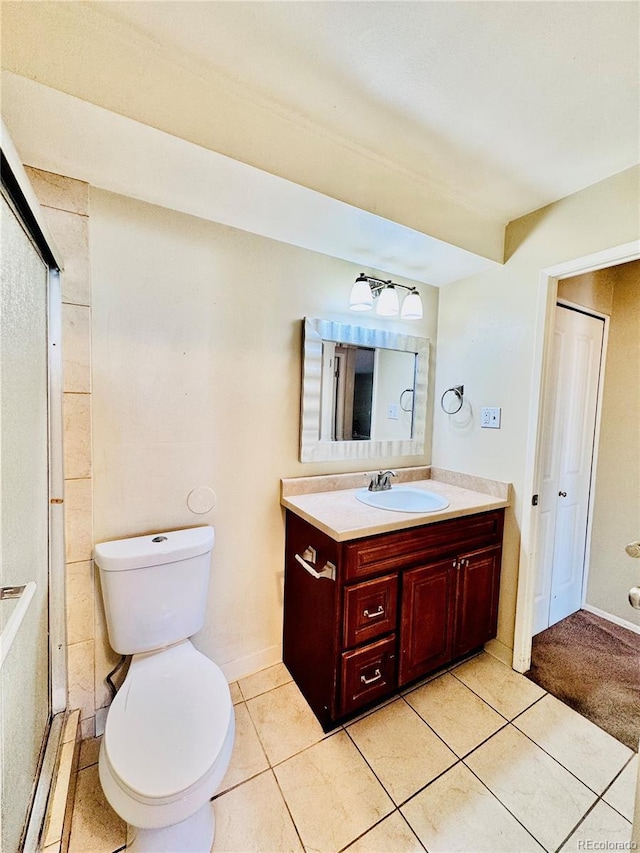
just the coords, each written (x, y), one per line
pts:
(477, 599)
(370, 610)
(427, 619)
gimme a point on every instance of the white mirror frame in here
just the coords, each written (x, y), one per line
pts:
(314, 450)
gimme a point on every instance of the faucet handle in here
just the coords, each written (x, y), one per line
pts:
(374, 482)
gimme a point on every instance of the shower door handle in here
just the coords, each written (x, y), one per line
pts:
(11, 592)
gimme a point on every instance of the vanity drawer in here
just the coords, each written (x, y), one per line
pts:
(370, 610)
(367, 674)
(421, 545)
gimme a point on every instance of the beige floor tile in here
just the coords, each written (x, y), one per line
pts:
(457, 813)
(504, 689)
(95, 827)
(284, 721)
(236, 693)
(89, 752)
(621, 795)
(265, 680)
(589, 752)
(538, 791)
(392, 835)
(57, 806)
(332, 794)
(248, 758)
(253, 816)
(401, 749)
(602, 829)
(461, 718)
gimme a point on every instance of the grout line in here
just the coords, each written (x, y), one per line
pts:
(286, 805)
(473, 749)
(615, 779)
(581, 821)
(493, 708)
(505, 807)
(557, 760)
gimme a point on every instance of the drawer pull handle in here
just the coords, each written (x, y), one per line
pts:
(329, 570)
(376, 677)
(375, 613)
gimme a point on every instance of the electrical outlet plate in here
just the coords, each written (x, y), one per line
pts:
(490, 417)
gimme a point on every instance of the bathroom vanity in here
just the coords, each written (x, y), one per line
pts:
(375, 599)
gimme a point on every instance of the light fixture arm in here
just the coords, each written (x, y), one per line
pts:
(377, 285)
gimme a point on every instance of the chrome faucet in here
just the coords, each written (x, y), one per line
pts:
(381, 481)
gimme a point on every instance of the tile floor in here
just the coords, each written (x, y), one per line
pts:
(476, 759)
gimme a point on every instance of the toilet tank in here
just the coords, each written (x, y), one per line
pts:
(154, 588)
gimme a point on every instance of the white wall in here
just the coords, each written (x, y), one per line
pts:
(196, 382)
(486, 341)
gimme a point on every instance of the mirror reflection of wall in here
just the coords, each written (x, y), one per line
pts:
(394, 394)
(367, 393)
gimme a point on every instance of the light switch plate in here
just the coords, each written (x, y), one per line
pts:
(490, 417)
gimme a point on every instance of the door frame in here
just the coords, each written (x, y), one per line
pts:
(543, 336)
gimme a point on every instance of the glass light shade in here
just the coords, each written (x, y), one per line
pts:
(361, 298)
(412, 306)
(388, 305)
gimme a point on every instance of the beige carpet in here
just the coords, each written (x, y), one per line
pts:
(593, 666)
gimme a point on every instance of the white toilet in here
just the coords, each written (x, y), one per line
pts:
(170, 729)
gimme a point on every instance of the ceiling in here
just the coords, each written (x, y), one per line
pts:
(403, 134)
(506, 105)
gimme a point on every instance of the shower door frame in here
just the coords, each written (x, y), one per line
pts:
(17, 186)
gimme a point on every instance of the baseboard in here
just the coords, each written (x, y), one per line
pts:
(498, 650)
(611, 618)
(252, 663)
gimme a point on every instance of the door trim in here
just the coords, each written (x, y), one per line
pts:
(543, 333)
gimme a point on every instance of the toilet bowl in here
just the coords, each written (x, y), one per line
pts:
(170, 728)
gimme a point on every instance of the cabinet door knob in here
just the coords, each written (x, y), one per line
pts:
(377, 675)
(375, 613)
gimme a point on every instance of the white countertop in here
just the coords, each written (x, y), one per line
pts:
(338, 513)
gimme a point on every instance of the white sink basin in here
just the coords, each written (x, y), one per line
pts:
(403, 499)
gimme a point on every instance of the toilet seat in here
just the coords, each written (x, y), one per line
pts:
(168, 725)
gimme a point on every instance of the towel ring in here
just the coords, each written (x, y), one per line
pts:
(406, 391)
(453, 405)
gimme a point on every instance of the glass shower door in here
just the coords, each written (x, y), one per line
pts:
(24, 530)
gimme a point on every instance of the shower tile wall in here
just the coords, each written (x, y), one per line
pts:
(66, 206)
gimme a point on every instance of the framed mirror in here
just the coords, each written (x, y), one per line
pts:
(364, 392)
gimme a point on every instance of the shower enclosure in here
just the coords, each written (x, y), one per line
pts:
(32, 665)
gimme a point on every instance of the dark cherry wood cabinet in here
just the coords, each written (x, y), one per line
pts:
(364, 618)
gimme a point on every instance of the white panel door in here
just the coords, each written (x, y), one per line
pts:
(568, 445)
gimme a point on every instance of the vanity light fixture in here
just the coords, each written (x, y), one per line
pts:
(368, 291)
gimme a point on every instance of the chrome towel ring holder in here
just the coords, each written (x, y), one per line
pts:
(452, 400)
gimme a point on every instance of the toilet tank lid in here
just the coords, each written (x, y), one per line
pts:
(156, 549)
